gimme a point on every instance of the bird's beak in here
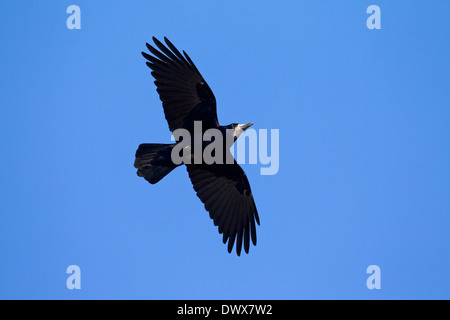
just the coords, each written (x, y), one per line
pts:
(246, 126)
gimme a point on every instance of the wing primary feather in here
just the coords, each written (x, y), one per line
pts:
(239, 240)
(158, 54)
(227, 217)
(247, 237)
(190, 61)
(175, 50)
(255, 212)
(233, 224)
(150, 58)
(253, 231)
(166, 51)
(248, 219)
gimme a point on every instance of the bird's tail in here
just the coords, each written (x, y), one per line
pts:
(153, 161)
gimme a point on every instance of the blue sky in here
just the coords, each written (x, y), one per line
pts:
(364, 173)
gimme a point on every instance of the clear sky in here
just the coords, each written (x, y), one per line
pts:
(364, 175)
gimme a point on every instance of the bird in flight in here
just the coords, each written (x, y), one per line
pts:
(222, 186)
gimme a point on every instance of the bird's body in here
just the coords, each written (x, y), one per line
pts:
(190, 105)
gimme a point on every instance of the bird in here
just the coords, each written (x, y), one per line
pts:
(222, 187)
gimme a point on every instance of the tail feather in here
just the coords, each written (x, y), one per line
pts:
(153, 161)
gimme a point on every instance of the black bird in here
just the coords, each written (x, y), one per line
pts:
(223, 188)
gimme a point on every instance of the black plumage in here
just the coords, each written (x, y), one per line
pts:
(223, 188)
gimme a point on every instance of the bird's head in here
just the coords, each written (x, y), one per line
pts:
(238, 129)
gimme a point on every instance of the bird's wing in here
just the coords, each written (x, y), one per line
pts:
(185, 95)
(225, 191)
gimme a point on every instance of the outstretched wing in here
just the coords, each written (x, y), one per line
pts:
(185, 95)
(226, 193)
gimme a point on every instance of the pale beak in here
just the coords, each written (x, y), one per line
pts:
(245, 126)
